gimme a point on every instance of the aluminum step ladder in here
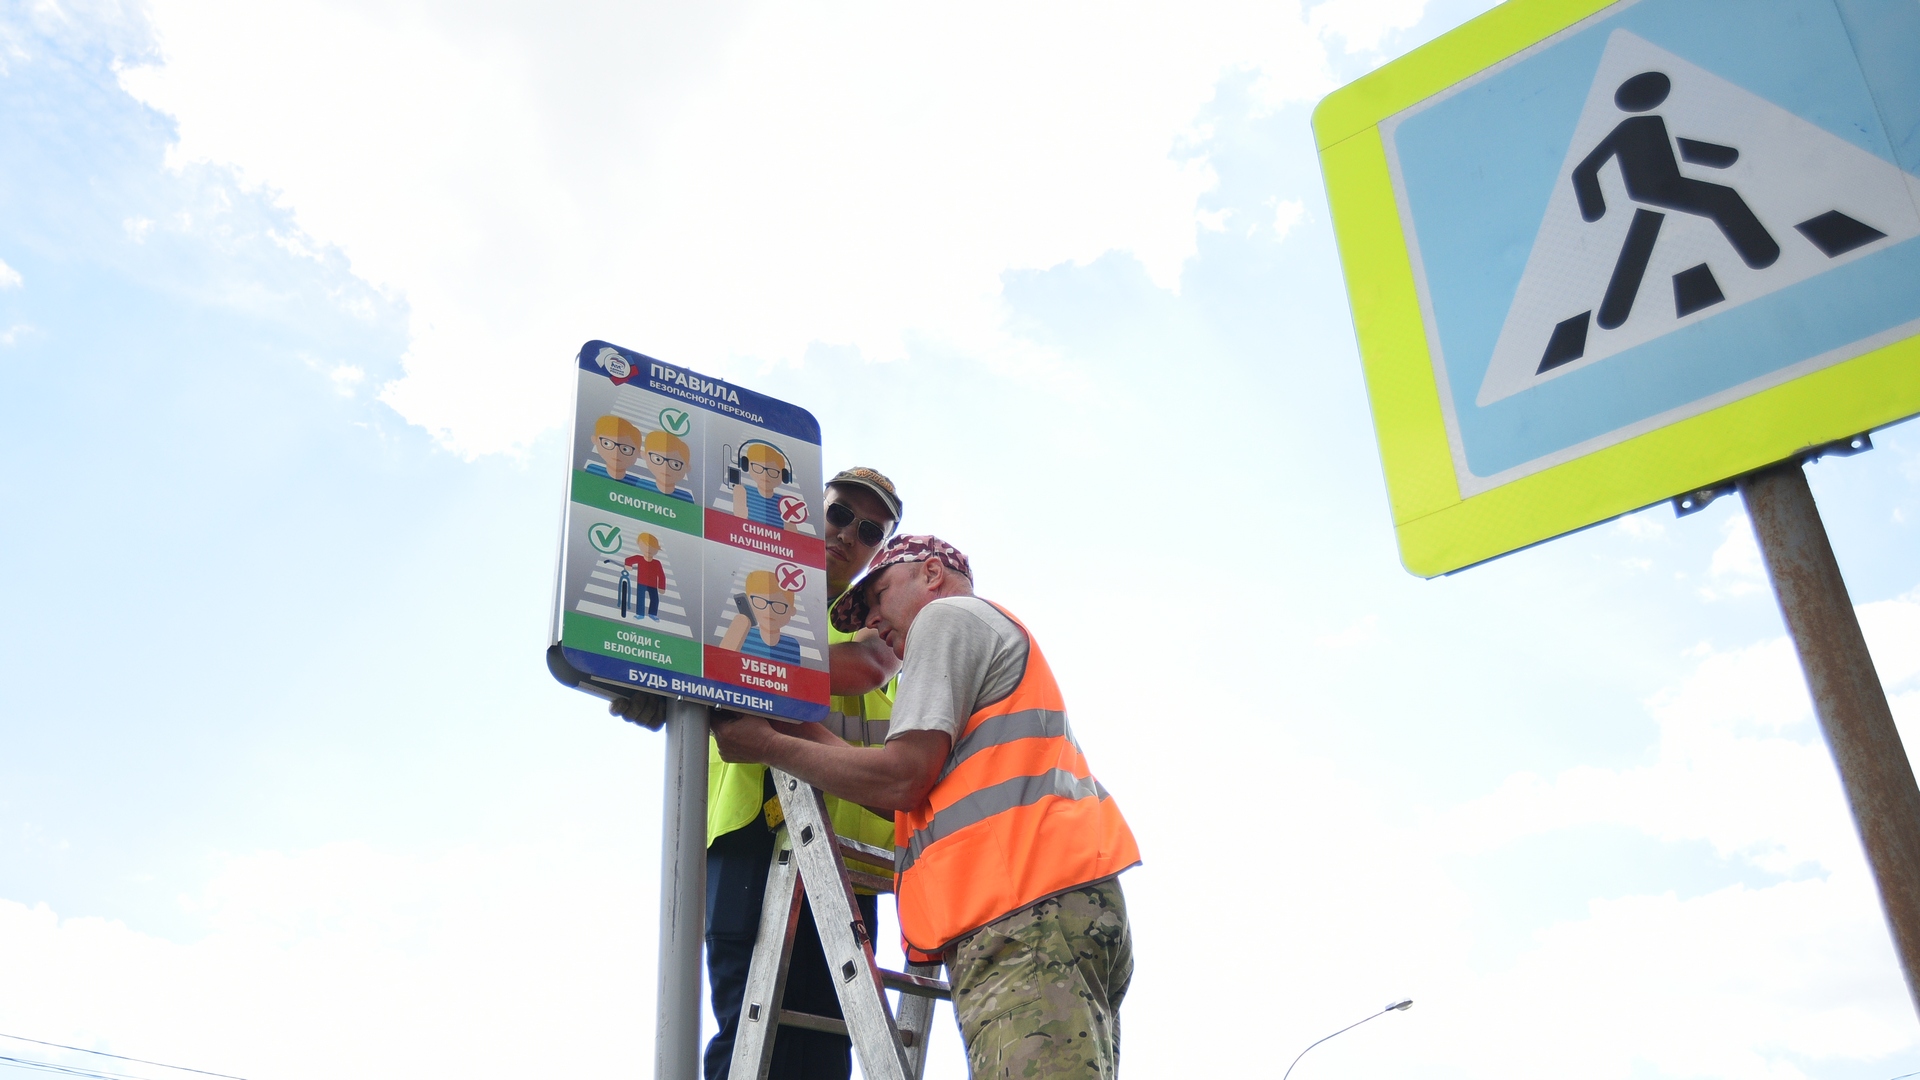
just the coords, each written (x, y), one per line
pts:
(808, 863)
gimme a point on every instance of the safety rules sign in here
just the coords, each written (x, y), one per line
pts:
(690, 564)
(1601, 254)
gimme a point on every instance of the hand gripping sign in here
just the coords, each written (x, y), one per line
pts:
(688, 558)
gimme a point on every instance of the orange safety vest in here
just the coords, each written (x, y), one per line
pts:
(1015, 817)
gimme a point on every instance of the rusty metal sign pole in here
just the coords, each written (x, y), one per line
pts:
(1847, 695)
(683, 894)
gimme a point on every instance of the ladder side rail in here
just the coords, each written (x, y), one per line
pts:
(759, 1019)
(844, 935)
(916, 1021)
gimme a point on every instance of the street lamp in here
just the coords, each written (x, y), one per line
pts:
(1398, 1006)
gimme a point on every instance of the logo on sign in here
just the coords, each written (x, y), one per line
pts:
(617, 367)
(676, 421)
(793, 509)
(1681, 197)
(793, 578)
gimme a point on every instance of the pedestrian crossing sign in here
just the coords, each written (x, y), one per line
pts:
(1600, 254)
(690, 561)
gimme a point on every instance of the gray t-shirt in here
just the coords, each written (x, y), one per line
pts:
(962, 655)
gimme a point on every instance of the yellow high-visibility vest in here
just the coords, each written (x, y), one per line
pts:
(734, 791)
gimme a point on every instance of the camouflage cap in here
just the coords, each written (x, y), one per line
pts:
(872, 480)
(850, 612)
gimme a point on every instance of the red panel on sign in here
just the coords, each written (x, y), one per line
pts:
(752, 536)
(767, 676)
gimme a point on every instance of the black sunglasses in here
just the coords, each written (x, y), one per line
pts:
(871, 531)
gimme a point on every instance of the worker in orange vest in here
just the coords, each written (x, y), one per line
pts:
(1007, 851)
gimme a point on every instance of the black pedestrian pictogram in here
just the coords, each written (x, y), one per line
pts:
(1835, 234)
(1694, 289)
(1650, 171)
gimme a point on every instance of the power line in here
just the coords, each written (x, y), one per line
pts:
(63, 1070)
(103, 1053)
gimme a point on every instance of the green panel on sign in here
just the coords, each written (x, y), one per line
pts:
(1443, 172)
(637, 503)
(632, 643)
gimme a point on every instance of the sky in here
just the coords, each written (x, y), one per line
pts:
(289, 296)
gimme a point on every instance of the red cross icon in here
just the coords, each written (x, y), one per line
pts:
(792, 578)
(793, 509)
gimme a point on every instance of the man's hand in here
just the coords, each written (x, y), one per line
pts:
(647, 710)
(815, 733)
(742, 739)
(896, 776)
(862, 664)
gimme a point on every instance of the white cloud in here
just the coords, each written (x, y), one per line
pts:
(711, 184)
(344, 378)
(1740, 983)
(1743, 981)
(1739, 762)
(9, 277)
(1363, 24)
(1737, 568)
(1362, 631)
(1892, 628)
(404, 958)
(1286, 216)
(1786, 975)
(1736, 765)
(1643, 525)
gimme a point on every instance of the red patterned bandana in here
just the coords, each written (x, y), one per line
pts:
(850, 613)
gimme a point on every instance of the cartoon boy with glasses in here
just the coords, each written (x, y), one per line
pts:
(617, 442)
(666, 457)
(661, 453)
(766, 609)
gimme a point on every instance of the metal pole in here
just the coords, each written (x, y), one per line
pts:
(1847, 695)
(683, 894)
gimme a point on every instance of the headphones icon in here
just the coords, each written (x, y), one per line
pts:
(738, 468)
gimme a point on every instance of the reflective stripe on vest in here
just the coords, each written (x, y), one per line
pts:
(1010, 727)
(983, 804)
(1015, 817)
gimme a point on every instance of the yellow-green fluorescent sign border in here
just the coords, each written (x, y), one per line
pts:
(1441, 531)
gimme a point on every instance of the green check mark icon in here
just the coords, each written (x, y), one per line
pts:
(605, 538)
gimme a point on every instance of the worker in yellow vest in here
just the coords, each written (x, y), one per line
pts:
(1007, 851)
(862, 510)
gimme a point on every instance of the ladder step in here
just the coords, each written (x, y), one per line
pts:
(870, 882)
(867, 853)
(917, 985)
(789, 1018)
(831, 1026)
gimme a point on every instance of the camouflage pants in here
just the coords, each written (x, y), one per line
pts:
(1038, 992)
